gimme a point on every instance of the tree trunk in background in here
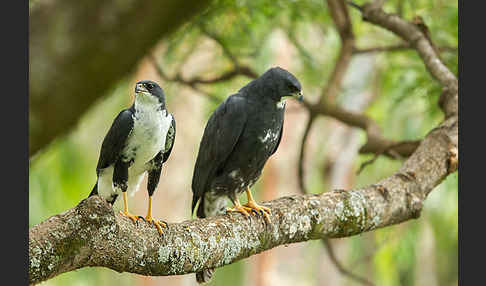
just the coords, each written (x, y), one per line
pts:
(425, 257)
(265, 262)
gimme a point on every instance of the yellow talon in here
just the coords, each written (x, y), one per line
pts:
(240, 209)
(158, 224)
(125, 212)
(252, 205)
(129, 215)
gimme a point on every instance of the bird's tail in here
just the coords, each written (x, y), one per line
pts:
(94, 191)
(209, 205)
(205, 275)
(200, 208)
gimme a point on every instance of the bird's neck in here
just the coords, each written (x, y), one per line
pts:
(259, 90)
(147, 106)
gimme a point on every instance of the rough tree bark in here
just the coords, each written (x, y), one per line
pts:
(92, 235)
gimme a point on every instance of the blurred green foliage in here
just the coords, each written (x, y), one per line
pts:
(405, 108)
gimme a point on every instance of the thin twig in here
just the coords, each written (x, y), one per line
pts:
(308, 59)
(340, 16)
(391, 151)
(391, 48)
(308, 126)
(354, 5)
(398, 47)
(413, 33)
(179, 79)
(221, 43)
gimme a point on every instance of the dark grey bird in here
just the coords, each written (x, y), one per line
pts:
(139, 141)
(240, 136)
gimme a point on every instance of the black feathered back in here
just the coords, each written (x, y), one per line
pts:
(220, 136)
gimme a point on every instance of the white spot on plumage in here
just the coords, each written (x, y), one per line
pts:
(269, 134)
(234, 173)
(281, 104)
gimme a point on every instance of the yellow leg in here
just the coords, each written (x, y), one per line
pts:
(239, 208)
(125, 207)
(158, 224)
(252, 205)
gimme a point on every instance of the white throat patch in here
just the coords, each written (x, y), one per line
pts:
(281, 104)
(145, 100)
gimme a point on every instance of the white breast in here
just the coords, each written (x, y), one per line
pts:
(147, 138)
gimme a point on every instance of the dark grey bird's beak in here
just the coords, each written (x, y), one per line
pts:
(299, 96)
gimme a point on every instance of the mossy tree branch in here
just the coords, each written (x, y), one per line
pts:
(92, 235)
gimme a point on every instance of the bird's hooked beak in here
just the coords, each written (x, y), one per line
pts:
(140, 88)
(299, 96)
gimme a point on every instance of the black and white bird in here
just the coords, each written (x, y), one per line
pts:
(240, 136)
(140, 140)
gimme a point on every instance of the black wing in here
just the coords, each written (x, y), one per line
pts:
(115, 139)
(169, 140)
(279, 137)
(220, 137)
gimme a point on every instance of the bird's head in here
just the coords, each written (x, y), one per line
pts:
(148, 92)
(282, 83)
